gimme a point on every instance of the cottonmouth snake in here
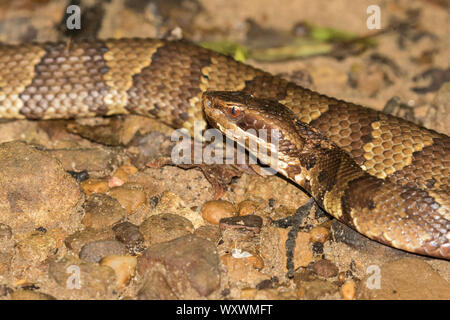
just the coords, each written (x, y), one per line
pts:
(384, 176)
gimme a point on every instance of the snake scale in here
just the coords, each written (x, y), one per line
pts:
(388, 178)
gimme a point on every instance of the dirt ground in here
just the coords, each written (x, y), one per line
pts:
(98, 194)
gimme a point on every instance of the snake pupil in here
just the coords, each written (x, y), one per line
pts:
(234, 112)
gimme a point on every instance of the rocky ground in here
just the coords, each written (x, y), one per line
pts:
(91, 208)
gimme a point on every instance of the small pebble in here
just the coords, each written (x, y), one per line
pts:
(247, 207)
(347, 290)
(319, 234)
(128, 233)
(213, 211)
(95, 251)
(130, 197)
(80, 176)
(101, 210)
(93, 185)
(123, 266)
(165, 227)
(325, 268)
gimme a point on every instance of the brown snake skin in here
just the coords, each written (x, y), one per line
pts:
(402, 200)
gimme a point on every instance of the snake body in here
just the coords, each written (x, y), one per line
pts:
(397, 191)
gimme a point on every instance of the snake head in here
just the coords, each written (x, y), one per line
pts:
(264, 127)
(236, 110)
(261, 124)
(243, 114)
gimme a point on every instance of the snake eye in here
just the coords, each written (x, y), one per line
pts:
(234, 112)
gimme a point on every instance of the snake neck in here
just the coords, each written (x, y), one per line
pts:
(317, 171)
